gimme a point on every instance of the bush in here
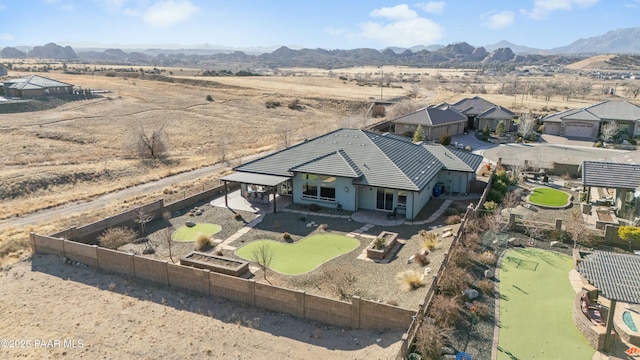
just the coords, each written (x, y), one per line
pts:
(286, 236)
(379, 243)
(209, 98)
(323, 227)
(454, 281)
(487, 287)
(481, 310)
(271, 104)
(490, 206)
(453, 219)
(429, 241)
(430, 341)
(341, 282)
(472, 239)
(462, 257)
(203, 242)
(597, 144)
(294, 105)
(445, 311)
(237, 216)
(410, 280)
(113, 238)
(378, 111)
(451, 211)
(445, 139)
(421, 259)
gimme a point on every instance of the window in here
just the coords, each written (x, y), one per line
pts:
(318, 187)
(402, 199)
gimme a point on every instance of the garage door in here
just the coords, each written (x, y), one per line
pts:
(580, 131)
(552, 128)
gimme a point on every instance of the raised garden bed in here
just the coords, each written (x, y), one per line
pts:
(219, 264)
(604, 217)
(390, 239)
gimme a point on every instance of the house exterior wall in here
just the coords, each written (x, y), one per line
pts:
(455, 181)
(569, 127)
(493, 123)
(420, 199)
(345, 194)
(3, 71)
(552, 128)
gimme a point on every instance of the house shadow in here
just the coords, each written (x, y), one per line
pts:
(227, 311)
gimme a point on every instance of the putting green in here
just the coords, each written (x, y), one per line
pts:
(548, 197)
(535, 308)
(188, 234)
(304, 255)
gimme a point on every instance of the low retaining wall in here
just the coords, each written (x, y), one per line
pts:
(358, 313)
(595, 334)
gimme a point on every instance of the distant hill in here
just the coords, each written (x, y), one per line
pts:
(621, 41)
(12, 53)
(518, 49)
(53, 51)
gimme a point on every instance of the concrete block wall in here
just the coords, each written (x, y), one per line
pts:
(188, 278)
(115, 261)
(280, 299)
(86, 254)
(594, 334)
(374, 315)
(150, 269)
(43, 244)
(232, 288)
(328, 311)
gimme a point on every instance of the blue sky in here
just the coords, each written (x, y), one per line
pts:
(330, 24)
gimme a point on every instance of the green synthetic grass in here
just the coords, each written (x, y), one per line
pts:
(535, 308)
(188, 234)
(304, 255)
(549, 197)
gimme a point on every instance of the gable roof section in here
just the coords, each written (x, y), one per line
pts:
(451, 160)
(335, 163)
(602, 111)
(381, 160)
(610, 175)
(496, 113)
(614, 274)
(432, 115)
(476, 105)
(35, 82)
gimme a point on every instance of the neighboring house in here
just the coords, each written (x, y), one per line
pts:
(435, 121)
(624, 179)
(3, 71)
(35, 85)
(359, 169)
(481, 113)
(586, 122)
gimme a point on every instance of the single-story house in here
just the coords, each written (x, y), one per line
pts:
(36, 85)
(3, 71)
(436, 120)
(624, 179)
(587, 121)
(358, 169)
(481, 113)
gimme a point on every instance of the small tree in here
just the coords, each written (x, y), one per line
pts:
(609, 130)
(501, 128)
(576, 226)
(445, 139)
(154, 144)
(633, 87)
(263, 256)
(418, 135)
(167, 241)
(486, 132)
(527, 125)
(630, 234)
(209, 98)
(142, 218)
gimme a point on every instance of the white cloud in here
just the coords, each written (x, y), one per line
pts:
(434, 7)
(497, 19)
(6, 37)
(3, 6)
(399, 26)
(170, 12)
(335, 31)
(633, 5)
(542, 8)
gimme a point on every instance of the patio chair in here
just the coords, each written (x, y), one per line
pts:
(393, 214)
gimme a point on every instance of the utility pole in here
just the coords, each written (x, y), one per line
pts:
(381, 81)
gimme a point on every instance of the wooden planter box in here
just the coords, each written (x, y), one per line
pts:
(219, 264)
(390, 240)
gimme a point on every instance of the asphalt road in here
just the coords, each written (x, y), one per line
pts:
(546, 154)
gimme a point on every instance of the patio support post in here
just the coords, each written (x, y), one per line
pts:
(226, 200)
(607, 336)
(274, 198)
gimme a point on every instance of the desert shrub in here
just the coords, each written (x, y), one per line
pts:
(495, 196)
(487, 287)
(203, 242)
(453, 219)
(271, 104)
(218, 252)
(490, 206)
(209, 98)
(462, 257)
(430, 341)
(340, 282)
(454, 281)
(451, 211)
(286, 236)
(481, 310)
(392, 302)
(237, 216)
(378, 111)
(410, 280)
(428, 241)
(474, 226)
(379, 243)
(445, 139)
(111, 74)
(294, 104)
(323, 227)
(472, 239)
(560, 235)
(314, 207)
(445, 311)
(486, 258)
(113, 238)
(421, 259)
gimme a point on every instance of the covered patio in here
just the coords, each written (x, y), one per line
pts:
(256, 188)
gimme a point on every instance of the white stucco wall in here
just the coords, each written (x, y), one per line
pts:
(345, 194)
(455, 181)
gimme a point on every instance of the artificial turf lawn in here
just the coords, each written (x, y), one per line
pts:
(548, 196)
(304, 255)
(188, 234)
(535, 308)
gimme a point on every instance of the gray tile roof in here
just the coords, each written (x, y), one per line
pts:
(432, 115)
(476, 105)
(35, 82)
(381, 160)
(455, 161)
(496, 113)
(610, 175)
(617, 276)
(606, 110)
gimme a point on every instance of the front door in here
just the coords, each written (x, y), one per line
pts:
(384, 200)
